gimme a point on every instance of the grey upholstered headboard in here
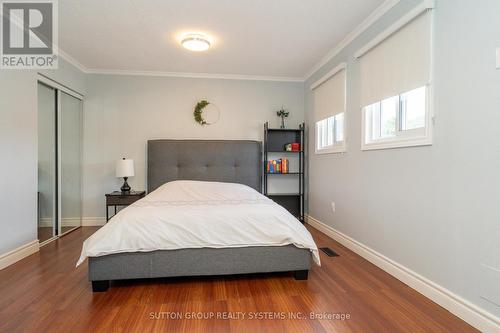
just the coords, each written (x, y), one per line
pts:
(208, 160)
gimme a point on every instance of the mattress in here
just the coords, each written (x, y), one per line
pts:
(195, 215)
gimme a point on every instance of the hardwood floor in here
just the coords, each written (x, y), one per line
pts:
(45, 233)
(46, 293)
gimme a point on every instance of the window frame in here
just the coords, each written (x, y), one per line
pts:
(337, 146)
(403, 138)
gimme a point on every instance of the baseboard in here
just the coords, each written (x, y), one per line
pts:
(21, 252)
(471, 313)
(75, 222)
(45, 222)
(25, 250)
(71, 221)
(48, 222)
(93, 221)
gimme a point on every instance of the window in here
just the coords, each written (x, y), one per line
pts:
(396, 117)
(394, 112)
(413, 109)
(330, 132)
(339, 127)
(329, 111)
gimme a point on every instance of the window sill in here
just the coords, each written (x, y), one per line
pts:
(331, 150)
(397, 143)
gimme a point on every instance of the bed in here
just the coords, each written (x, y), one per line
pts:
(205, 191)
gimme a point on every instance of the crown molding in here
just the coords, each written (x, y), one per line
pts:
(72, 60)
(372, 18)
(68, 58)
(327, 76)
(196, 75)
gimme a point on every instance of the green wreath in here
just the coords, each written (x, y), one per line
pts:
(198, 110)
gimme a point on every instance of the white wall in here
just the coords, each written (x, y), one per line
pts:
(123, 112)
(18, 150)
(18, 167)
(433, 209)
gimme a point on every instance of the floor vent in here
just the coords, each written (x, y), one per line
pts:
(329, 252)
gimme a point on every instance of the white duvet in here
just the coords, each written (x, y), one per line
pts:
(194, 214)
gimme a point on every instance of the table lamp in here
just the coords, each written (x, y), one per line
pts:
(125, 169)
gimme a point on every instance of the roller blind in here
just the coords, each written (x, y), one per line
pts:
(329, 97)
(399, 63)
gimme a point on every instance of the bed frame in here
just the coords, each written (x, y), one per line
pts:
(208, 160)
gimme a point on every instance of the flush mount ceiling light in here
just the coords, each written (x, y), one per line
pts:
(195, 42)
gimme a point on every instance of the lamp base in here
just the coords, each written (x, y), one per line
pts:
(125, 187)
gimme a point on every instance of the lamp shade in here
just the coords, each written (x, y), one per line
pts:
(125, 168)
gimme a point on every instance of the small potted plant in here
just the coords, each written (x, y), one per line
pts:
(283, 114)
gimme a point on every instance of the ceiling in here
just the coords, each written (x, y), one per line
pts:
(273, 38)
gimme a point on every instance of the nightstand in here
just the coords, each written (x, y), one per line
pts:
(118, 198)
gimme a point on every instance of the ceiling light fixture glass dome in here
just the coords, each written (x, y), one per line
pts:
(195, 42)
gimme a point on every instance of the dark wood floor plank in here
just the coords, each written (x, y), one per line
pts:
(47, 293)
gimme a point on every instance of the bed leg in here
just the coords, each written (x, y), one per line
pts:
(300, 275)
(100, 286)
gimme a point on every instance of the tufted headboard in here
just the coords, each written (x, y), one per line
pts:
(209, 160)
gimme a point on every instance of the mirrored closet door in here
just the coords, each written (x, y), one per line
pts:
(60, 118)
(70, 162)
(47, 163)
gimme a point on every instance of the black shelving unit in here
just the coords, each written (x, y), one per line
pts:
(275, 140)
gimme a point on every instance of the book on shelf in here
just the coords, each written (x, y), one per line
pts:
(278, 166)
